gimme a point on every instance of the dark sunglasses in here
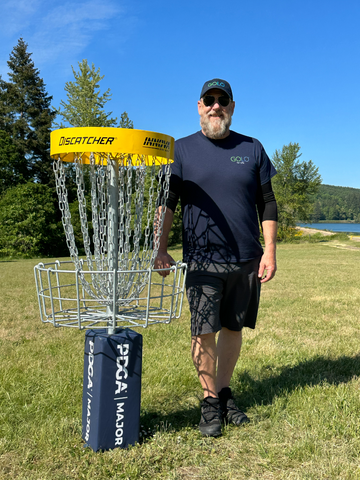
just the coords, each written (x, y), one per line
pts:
(210, 100)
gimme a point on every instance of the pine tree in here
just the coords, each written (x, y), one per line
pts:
(9, 168)
(26, 116)
(85, 105)
(125, 121)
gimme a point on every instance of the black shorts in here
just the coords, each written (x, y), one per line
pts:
(223, 295)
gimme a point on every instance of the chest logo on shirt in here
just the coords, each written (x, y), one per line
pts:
(240, 160)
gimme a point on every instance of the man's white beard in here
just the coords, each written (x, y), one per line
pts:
(217, 129)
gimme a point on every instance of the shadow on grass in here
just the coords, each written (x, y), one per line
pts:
(153, 421)
(249, 392)
(279, 381)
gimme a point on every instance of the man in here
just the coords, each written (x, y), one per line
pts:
(224, 182)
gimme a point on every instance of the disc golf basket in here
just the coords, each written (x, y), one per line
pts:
(122, 177)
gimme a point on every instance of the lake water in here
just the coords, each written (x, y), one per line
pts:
(333, 227)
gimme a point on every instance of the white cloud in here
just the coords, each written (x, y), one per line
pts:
(69, 28)
(56, 32)
(17, 16)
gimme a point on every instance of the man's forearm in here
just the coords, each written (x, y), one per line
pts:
(163, 260)
(269, 228)
(268, 260)
(164, 238)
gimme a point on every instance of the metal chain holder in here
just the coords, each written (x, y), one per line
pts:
(124, 177)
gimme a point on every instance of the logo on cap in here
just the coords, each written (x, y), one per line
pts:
(216, 84)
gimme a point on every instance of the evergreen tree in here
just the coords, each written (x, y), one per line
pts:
(28, 222)
(85, 105)
(294, 185)
(125, 121)
(26, 116)
(9, 169)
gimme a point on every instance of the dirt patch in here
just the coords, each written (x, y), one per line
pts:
(326, 233)
(344, 247)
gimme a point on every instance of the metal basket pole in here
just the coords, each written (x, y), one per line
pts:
(113, 224)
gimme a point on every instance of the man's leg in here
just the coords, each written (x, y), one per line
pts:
(228, 351)
(215, 363)
(203, 349)
(204, 357)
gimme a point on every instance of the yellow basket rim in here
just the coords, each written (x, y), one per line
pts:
(141, 146)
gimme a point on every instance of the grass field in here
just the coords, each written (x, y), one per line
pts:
(298, 379)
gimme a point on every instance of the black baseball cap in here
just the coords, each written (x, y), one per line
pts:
(219, 84)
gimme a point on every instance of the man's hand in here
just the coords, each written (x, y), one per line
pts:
(268, 265)
(163, 260)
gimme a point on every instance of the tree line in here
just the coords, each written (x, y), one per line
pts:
(30, 220)
(336, 204)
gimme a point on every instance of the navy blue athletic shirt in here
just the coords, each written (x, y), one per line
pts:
(218, 181)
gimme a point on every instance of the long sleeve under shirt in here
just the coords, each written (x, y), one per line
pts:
(218, 182)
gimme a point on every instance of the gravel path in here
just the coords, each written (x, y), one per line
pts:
(311, 231)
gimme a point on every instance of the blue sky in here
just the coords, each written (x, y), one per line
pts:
(293, 65)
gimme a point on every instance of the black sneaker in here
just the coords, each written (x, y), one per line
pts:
(229, 411)
(210, 422)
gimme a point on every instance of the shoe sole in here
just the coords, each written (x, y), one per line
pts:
(230, 422)
(207, 431)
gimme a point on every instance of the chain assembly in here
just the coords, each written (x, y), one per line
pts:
(139, 213)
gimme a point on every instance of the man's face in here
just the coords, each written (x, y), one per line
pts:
(215, 120)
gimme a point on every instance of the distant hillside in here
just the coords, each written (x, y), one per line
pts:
(337, 203)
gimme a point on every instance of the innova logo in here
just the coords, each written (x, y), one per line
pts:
(216, 84)
(154, 142)
(240, 160)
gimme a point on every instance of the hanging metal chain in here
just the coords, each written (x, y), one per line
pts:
(79, 167)
(140, 174)
(162, 196)
(102, 212)
(127, 201)
(149, 214)
(61, 190)
(95, 211)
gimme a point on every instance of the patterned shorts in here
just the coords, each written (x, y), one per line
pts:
(223, 295)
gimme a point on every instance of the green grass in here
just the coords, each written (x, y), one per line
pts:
(298, 379)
